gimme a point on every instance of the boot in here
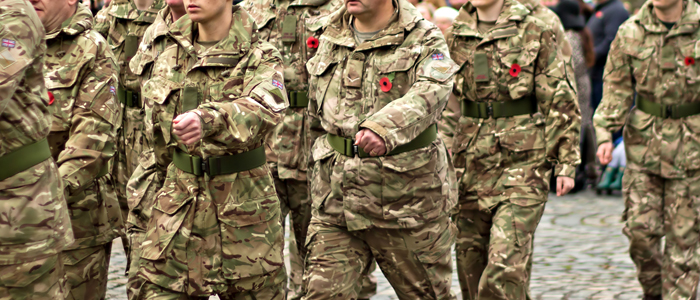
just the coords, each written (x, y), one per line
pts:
(608, 177)
(617, 183)
(652, 297)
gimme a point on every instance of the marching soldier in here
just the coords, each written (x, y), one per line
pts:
(520, 119)
(31, 189)
(382, 184)
(81, 76)
(655, 56)
(214, 226)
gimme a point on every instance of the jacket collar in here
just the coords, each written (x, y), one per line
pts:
(75, 25)
(689, 22)
(126, 9)
(506, 25)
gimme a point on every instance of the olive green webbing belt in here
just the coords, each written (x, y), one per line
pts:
(485, 110)
(129, 98)
(24, 158)
(677, 111)
(219, 165)
(347, 146)
(298, 99)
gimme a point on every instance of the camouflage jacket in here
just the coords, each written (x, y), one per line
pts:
(662, 66)
(521, 40)
(239, 97)
(81, 74)
(33, 200)
(287, 146)
(346, 96)
(147, 179)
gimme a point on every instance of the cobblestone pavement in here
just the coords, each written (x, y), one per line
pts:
(580, 253)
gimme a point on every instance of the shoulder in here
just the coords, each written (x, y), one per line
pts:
(20, 19)
(631, 29)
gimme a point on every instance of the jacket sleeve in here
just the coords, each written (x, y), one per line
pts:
(611, 24)
(559, 103)
(405, 118)
(102, 22)
(247, 119)
(618, 93)
(450, 120)
(96, 117)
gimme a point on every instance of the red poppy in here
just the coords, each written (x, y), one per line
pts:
(515, 70)
(312, 42)
(51, 98)
(385, 84)
(599, 14)
(689, 61)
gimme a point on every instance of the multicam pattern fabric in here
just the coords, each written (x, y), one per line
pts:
(86, 272)
(123, 25)
(204, 233)
(508, 161)
(42, 279)
(663, 155)
(39, 224)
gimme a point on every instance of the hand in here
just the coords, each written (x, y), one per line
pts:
(188, 127)
(564, 185)
(370, 142)
(604, 154)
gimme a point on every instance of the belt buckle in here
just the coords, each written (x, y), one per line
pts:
(205, 165)
(668, 111)
(135, 101)
(489, 110)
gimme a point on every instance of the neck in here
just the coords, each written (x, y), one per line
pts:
(670, 14)
(61, 17)
(213, 30)
(490, 13)
(143, 4)
(177, 12)
(375, 20)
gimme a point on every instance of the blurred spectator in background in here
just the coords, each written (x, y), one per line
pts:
(607, 17)
(435, 3)
(426, 10)
(444, 16)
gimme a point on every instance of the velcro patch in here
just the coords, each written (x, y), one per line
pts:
(6, 59)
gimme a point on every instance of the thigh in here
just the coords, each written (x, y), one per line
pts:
(282, 194)
(644, 204)
(267, 286)
(86, 272)
(41, 279)
(681, 207)
(334, 263)
(417, 262)
(151, 291)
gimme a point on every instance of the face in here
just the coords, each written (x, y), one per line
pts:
(203, 11)
(414, 2)
(665, 4)
(175, 3)
(483, 3)
(359, 7)
(457, 4)
(443, 24)
(52, 12)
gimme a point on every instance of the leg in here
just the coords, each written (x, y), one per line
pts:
(334, 263)
(41, 279)
(300, 215)
(86, 272)
(680, 260)
(134, 282)
(418, 261)
(369, 281)
(264, 287)
(151, 291)
(506, 275)
(644, 226)
(472, 247)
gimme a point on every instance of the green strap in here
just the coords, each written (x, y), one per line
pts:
(298, 99)
(481, 67)
(24, 158)
(485, 110)
(219, 165)
(289, 29)
(190, 98)
(128, 98)
(131, 44)
(347, 146)
(677, 111)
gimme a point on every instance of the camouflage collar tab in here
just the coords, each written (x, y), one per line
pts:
(339, 31)
(512, 12)
(126, 9)
(76, 24)
(689, 22)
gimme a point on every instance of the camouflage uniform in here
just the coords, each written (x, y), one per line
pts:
(81, 74)
(221, 234)
(146, 179)
(287, 148)
(36, 224)
(660, 184)
(393, 208)
(123, 25)
(507, 158)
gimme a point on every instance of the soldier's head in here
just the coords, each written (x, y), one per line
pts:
(177, 8)
(54, 12)
(206, 11)
(457, 4)
(669, 5)
(367, 8)
(488, 10)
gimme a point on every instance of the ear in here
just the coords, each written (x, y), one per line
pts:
(73, 2)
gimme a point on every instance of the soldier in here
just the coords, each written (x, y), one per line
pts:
(36, 224)
(147, 179)
(81, 76)
(382, 185)
(519, 119)
(656, 55)
(214, 226)
(123, 24)
(294, 27)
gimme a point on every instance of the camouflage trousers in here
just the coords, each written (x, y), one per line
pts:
(37, 280)
(86, 272)
(656, 207)
(267, 286)
(416, 262)
(494, 248)
(134, 282)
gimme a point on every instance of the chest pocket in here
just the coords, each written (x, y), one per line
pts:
(321, 67)
(641, 63)
(396, 65)
(61, 83)
(157, 90)
(517, 70)
(691, 66)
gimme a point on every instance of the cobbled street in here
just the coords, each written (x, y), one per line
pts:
(580, 253)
